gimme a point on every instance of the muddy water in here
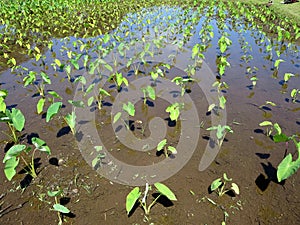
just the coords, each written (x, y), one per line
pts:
(247, 155)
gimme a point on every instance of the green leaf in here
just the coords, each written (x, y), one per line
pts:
(53, 110)
(287, 167)
(280, 138)
(266, 123)
(161, 144)
(117, 117)
(60, 208)
(71, 119)
(18, 119)
(74, 62)
(164, 190)
(277, 128)
(287, 76)
(10, 167)
(215, 184)
(54, 193)
(222, 101)
(235, 188)
(131, 199)
(13, 152)
(40, 105)
(151, 92)
(55, 94)
(172, 149)
(79, 103)
(40, 145)
(129, 108)
(226, 178)
(57, 62)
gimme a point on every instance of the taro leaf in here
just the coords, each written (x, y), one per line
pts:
(235, 188)
(215, 184)
(54, 193)
(117, 117)
(79, 104)
(220, 132)
(151, 92)
(103, 92)
(161, 144)
(18, 119)
(172, 149)
(129, 108)
(40, 105)
(174, 111)
(53, 110)
(71, 120)
(55, 94)
(40, 145)
(90, 101)
(46, 78)
(10, 166)
(131, 199)
(226, 177)
(287, 76)
(281, 138)
(277, 128)
(89, 89)
(13, 152)
(287, 167)
(60, 208)
(74, 62)
(266, 123)
(164, 190)
(222, 101)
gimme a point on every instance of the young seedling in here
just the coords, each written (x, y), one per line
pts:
(174, 110)
(15, 120)
(294, 93)
(162, 146)
(71, 121)
(14, 154)
(135, 195)
(119, 80)
(287, 166)
(101, 94)
(3, 95)
(219, 184)
(129, 108)
(39, 85)
(60, 209)
(148, 92)
(182, 82)
(221, 132)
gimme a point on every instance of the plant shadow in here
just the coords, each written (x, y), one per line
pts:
(63, 131)
(163, 200)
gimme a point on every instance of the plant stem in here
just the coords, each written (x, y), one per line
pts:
(150, 206)
(13, 131)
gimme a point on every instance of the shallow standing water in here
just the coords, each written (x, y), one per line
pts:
(248, 155)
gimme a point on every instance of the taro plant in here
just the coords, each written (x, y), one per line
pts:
(294, 93)
(279, 136)
(71, 121)
(287, 167)
(3, 95)
(15, 120)
(174, 110)
(219, 185)
(119, 79)
(31, 79)
(15, 153)
(129, 108)
(135, 195)
(182, 82)
(59, 208)
(148, 92)
(162, 146)
(99, 97)
(221, 132)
